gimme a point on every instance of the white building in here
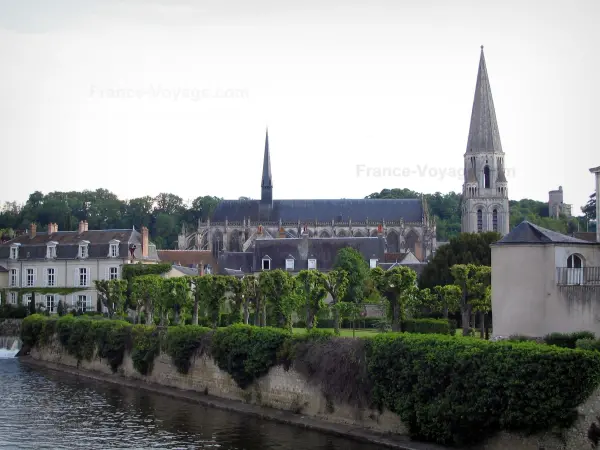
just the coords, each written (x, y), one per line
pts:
(69, 259)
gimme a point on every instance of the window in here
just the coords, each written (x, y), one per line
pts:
(83, 251)
(13, 298)
(312, 263)
(50, 277)
(574, 262)
(14, 252)
(479, 220)
(495, 220)
(82, 303)
(50, 303)
(486, 177)
(373, 263)
(27, 299)
(266, 264)
(574, 270)
(51, 251)
(30, 277)
(114, 250)
(289, 264)
(113, 273)
(14, 278)
(83, 277)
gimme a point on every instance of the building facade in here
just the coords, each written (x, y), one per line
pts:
(236, 224)
(70, 260)
(485, 188)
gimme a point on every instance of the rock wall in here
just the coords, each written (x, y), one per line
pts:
(10, 327)
(289, 391)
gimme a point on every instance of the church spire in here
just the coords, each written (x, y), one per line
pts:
(483, 133)
(267, 182)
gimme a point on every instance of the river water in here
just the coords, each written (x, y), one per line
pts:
(44, 409)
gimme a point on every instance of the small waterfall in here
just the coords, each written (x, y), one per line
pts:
(9, 346)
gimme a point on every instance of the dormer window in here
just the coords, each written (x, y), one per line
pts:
(266, 263)
(83, 249)
(312, 263)
(373, 263)
(289, 263)
(51, 250)
(113, 249)
(14, 252)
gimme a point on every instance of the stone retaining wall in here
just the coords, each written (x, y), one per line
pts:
(10, 327)
(289, 391)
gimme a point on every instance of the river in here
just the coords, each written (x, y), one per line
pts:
(41, 408)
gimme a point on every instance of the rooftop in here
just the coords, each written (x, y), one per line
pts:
(529, 233)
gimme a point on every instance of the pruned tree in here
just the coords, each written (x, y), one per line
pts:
(446, 299)
(278, 288)
(396, 285)
(335, 283)
(252, 297)
(112, 295)
(146, 291)
(473, 281)
(313, 293)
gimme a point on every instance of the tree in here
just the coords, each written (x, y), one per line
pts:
(60, 308)
(313, 291)
(146, 290)
(467, 248)
(446, 299)
(589, 210)
(395, 285)
(278, 288)
(351, 261)
(112, 294)
(176, 294)
(213, 288)
(473, 281)
(253, 296)
(350, 311)
(239, 300)
(335, 283)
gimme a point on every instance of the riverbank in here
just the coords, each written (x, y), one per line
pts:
(262, 412)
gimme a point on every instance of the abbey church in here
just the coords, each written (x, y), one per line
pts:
(404, 225)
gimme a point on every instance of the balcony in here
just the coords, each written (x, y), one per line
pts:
(584, 276)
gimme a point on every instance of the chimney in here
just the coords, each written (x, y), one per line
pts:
(144, 242)
(55, 226)
(81, 227)
(50, 228)
(85, 225)
(281, 232)
(32, 230)
(201, 268)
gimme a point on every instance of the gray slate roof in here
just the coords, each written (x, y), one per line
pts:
(324, 250)
(418, 268)
(68, 244)
(188, 271)
(529, 233)
(483, 132)
(410, 210)
(3, 269)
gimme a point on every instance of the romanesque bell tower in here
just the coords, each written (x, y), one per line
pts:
(485, 189)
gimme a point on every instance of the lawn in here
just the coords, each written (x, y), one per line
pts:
(345, 332)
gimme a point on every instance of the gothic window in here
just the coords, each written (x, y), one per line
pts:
(495, 220)
(392, 242)
(486, 177)
(411, 240)
(479, 220)
(574, 262)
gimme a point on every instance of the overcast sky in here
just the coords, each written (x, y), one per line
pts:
(141, 97)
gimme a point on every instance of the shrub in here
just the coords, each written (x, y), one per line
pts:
(428, 326)
(183, 342)
(112, 338)
(246, 352)
(145, 347)
(588, 344)
(568, 340)
(31, 329)
(458, 391)
(13, 312)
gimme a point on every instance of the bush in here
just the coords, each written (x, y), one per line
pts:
(145, 348)
(112, 338)
(459, 391)
(31, 329)
(568, 340)
(588, 344)
(13, 312)
(246, 352)
(428, 326)
(183, 342)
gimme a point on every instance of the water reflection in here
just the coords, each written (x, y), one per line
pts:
(46, 409)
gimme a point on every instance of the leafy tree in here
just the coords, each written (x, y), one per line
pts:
(446, 299)
(473, 281)
(147, 291)
(589, 210)
(112, 294)
(278, 288)
(176, 294)
(60, 308)
(466, 248)
(213, 289)
(313, 290)
(335, 283)
(396, 285)
(353, 263)
(350, 311)
(239, 299)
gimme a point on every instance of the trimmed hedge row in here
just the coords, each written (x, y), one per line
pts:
(447, 389)
(427, 326)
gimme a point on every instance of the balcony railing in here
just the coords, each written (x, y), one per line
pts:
(585, 276)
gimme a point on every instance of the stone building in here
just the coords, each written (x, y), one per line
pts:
(485, 188)
(236, 224)
(556, 206)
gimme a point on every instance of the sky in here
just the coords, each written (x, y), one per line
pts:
(142, 97)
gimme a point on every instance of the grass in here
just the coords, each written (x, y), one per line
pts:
(344, 332)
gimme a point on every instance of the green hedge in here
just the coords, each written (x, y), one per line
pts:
(428, 326)
(588, 344)
(568, 340)
(457, 391)
(446, 389)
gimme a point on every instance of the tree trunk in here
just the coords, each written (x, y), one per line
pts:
(195, 312)
(482, 324)
(149, 313)
(336, 317)
(353, 329)
(264, 315)
(162, 318)
(257, 313)
(310, 318)
(246, 313)
(466, 317)
(177, 316)
(395, 316)
(446, 312)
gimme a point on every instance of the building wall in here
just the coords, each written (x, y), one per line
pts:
(526, 298)
(66, 276)
(3, 280)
